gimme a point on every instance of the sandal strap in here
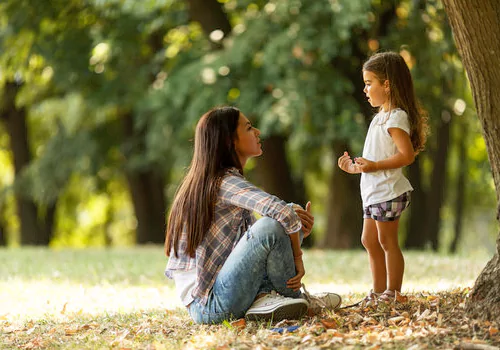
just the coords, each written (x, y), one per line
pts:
(389, 295)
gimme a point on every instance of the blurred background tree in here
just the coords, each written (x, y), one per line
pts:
(99, 99)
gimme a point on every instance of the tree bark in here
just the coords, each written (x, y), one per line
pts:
(477, 34)
(344, 208)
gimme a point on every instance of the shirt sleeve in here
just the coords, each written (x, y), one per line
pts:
(237, 191)
(398, 119)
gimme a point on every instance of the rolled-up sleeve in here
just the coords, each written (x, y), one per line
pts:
(237, 191)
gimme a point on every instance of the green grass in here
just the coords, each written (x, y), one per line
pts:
(99, 298)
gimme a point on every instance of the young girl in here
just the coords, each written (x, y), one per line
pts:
(225, 263)
(396, 135)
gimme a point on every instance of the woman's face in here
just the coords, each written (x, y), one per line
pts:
(247, 142)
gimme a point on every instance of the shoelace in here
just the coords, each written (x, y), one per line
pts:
(274, 296)
(313, 299)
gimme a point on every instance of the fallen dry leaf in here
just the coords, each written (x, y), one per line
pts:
(239, 324)
(329, 324)
(63, 311)
(70, 331)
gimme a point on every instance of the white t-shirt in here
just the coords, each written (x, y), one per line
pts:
(185, 281)
(384, 185)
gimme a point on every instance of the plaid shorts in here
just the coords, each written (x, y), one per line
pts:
(387, 211)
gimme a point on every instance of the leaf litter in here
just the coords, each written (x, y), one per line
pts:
(418, 321)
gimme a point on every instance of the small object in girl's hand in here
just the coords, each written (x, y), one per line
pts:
(281, 330)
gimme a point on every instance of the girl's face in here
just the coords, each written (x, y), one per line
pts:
(376, 91)
(247, 142)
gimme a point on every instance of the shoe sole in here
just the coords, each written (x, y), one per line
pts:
(285, 312)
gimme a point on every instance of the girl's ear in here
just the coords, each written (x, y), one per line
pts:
(387, 86)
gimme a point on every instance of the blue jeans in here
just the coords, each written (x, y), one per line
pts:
(262, 261)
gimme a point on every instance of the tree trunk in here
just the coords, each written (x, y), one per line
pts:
(477, 34)
(211, 16)
(416, 236)
(3, 233)
(146, 188)
(273, 173)
(344, 208)
(108, 238)
(15, 121)
(461, 183)
(436, 192)
(3, 240)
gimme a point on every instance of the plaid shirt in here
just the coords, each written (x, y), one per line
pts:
(232, 217)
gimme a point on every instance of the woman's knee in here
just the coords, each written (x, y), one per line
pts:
(268, 229)
(268, 226)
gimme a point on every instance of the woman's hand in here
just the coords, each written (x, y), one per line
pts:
(306, 218)
(345, 163)
(295, 282)
(365, 165)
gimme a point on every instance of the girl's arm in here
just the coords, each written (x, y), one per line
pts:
(405, 155)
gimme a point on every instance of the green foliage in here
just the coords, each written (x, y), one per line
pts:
(86, 66)
(45, 179)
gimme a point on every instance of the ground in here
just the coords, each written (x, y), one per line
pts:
(118, 298)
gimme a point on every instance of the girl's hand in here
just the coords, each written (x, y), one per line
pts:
(345, 163)
(306, 217)
(365, 165)
(295, 282)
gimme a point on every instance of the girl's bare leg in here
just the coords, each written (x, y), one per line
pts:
(376, 255)
(394, 260)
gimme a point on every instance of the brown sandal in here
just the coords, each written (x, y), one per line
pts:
(392, 296)
(371, 299)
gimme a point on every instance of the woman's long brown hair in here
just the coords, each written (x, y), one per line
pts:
(391, 66)
(194, 203)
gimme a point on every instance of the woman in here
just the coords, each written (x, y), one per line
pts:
(225, 263)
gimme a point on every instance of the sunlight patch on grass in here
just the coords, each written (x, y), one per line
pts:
(348, 273)
(45, 299)
(107, 281)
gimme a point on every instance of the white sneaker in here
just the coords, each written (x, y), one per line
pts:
(321, 301)
(276, 307)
